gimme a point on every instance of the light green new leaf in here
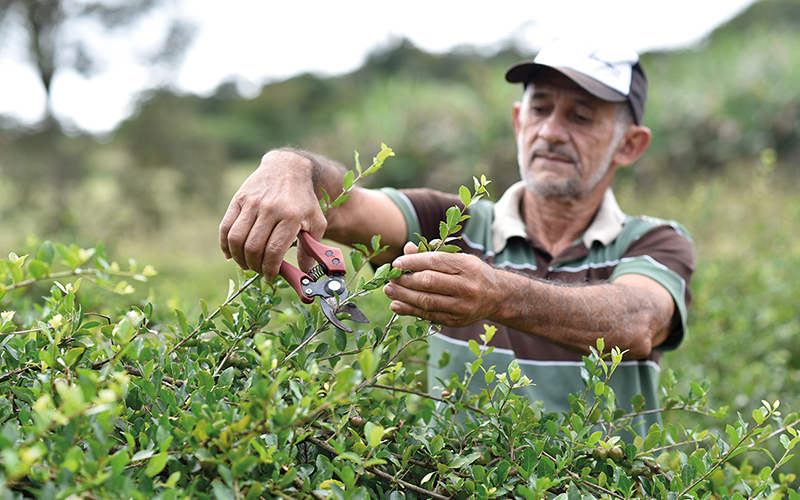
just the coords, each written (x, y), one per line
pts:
(465, 195)
(474, 347)
(375, 436)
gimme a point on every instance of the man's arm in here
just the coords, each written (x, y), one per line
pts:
(280, 199)
(634, 313)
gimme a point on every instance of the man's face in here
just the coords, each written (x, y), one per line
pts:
(565, 138)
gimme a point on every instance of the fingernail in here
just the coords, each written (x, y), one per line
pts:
(388, 290)
(397, 263)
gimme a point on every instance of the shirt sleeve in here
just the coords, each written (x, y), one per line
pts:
(422, 210)
(664, 254)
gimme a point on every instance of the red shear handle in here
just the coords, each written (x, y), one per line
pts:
(331, 257)
(295, 277)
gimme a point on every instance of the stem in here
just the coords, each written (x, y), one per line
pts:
(383, 475)
(721, 461)
(214, 314)
(62, 274)
(591, 486)
(421, 394)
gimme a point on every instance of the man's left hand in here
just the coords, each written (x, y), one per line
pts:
(449, 289)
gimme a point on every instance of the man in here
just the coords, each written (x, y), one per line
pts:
(579, 120)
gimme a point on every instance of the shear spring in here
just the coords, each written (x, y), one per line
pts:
(317, 272)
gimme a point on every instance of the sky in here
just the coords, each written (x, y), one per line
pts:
(258, 41)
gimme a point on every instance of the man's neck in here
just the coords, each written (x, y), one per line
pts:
(557, 223)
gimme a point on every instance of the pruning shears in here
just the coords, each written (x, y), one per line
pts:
(325, 280)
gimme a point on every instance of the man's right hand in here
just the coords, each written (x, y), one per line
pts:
(269, 210)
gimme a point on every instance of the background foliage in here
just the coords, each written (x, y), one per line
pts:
(725, 122)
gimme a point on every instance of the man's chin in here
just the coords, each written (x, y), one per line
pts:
(553, 190)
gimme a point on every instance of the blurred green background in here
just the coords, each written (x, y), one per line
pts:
(726, 131)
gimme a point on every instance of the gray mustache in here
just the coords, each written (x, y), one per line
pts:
(553, 149)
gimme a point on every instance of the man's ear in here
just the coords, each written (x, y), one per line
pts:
(515, 117)
(634, 143)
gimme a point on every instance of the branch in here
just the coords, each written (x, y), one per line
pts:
(421, 394)
(214, 314)
(383, 475)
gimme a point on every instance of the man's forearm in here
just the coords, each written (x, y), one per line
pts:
(574, 317)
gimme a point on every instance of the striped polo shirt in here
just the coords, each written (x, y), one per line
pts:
(614, 244)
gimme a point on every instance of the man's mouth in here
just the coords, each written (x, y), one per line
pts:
(552, 157)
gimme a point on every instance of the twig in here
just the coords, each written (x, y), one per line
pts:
(168, 381)
(214, 314)
(591, 486)
(421, 394)
(383, 475)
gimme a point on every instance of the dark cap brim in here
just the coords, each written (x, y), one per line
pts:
(525, 71)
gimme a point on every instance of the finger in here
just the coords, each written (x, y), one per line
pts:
(234, 209)
(441, 317)
(280, 240)
(316, 229)
(436, 261)
(410, 248)
(425, 300)
(431, 282)
(258, 240)
(237, 236)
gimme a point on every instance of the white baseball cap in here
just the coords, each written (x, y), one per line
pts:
(609, 73)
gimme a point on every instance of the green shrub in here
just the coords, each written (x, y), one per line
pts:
(261, 398)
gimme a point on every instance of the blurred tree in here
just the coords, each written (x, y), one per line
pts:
(49, 49)
(43, 160)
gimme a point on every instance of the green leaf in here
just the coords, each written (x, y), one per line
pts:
(46, 253)
(443, 230)
(462, 461)
(476, 365)
(182, 324)
(444, 359)
(375, 436)
(529, 460)
(474, 347)
(450, 248)
(526, 493)
(38, 269)
(464, 195)
(226, 377)
(514, 371)
(347, 182)
(653, 437)
(357, 162)
(157, 464)
(366, 361)
(384, 153)
(437, 443)
(341, 199)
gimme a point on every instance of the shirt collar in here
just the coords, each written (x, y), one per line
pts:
(508, 222)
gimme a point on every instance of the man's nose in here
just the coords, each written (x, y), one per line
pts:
(553, 129)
